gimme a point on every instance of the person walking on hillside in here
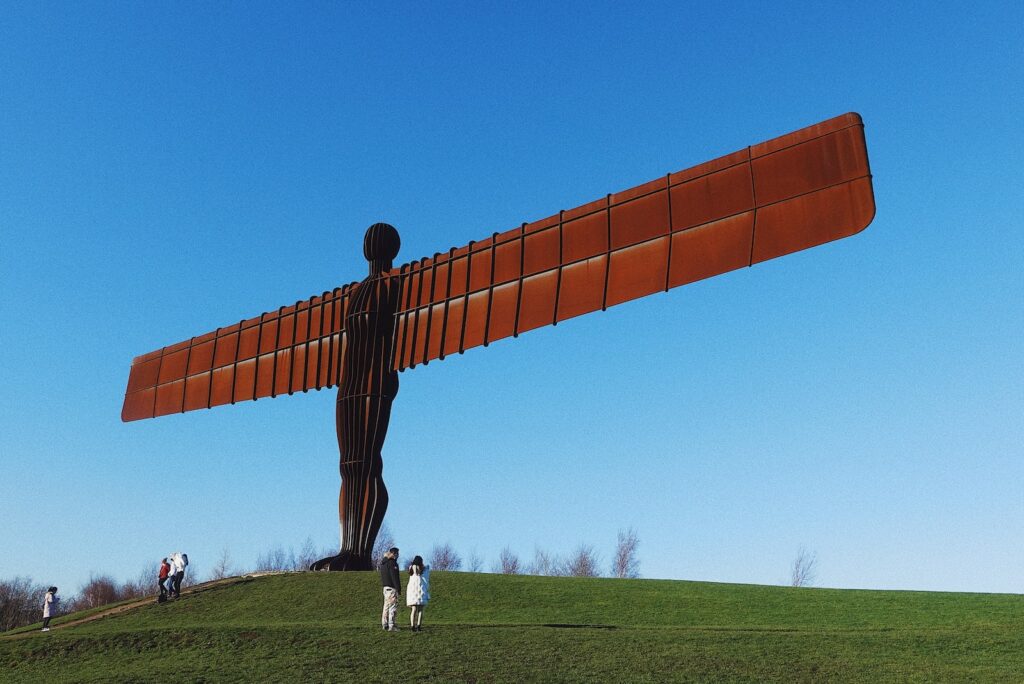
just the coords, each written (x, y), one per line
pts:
(418, 592)
(180, 561)
(392, 585)
(49, 607)
(165, 571)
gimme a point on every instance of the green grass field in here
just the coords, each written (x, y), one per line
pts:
(501, 628)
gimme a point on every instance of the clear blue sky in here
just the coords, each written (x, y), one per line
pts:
(166, 169)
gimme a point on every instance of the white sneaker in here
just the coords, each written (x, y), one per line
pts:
(392, 628)
(46, 629)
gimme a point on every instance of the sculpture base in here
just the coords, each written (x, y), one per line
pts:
(346, 560)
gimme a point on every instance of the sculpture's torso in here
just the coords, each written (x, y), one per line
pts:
(369, 334)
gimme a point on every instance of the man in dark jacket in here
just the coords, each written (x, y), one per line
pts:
(392, 584)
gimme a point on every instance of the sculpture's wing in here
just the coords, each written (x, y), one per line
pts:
(790, 193)
(781, 196)
(294, 348)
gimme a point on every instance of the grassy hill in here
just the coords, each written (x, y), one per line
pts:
(498, 628)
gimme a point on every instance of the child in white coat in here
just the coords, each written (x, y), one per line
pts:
(418, 592)
(49, 607)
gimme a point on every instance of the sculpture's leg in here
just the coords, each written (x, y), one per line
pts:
(363, 500)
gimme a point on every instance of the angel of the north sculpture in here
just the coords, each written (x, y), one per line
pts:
(781, 196)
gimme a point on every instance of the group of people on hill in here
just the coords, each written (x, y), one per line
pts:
(172, 571)
(417, 592)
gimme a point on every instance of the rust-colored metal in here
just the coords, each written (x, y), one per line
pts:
(790, 193)
(281, 352)
(369, 386)
(781, 196)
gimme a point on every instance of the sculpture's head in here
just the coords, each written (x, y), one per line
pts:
(380, 246)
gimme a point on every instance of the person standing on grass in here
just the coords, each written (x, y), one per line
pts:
(418, 592)
(392, 584)
(165, 571)
(172, 573)
(180, 561)
(49, 607)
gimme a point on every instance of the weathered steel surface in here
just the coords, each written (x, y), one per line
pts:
(787, 194)
(781, 196)
(294, 348)
(368, 388)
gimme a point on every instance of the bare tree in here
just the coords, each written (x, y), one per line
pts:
(474, 562)
(222, 568)
(545, 563)
(291, 561)
(444, 557)
(583, 562)
(804, 568)
(21, 602)
(625, 563)
(274, 560)
(508, 562)
(190, 578)
(101, 590)
(144, 583)
(98, 591)
(307, 555)
(385, 540)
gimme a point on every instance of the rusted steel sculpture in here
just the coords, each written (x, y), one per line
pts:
(368, 386)
(797, 191)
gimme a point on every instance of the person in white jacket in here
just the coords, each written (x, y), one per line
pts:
(418, 592)
(49, 607)
(179, 561)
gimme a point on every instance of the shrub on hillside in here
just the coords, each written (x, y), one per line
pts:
(444, 557)
(144, 584)
(805, 568)
(21, 602)
(625, 563)
(222, 568)
(545, 564)
(474, 563)
(276, 560)
(584, 562)
(98, 591)
(307, 555)
(508, 562)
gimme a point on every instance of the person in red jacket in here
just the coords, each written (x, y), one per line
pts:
(165, 571)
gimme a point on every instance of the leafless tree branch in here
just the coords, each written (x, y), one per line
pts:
(222, 568)
(584, 562)
(444, 557)
(805, 568)
(385, 540)
(625, 563)
(508, 562)
(474, 562)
